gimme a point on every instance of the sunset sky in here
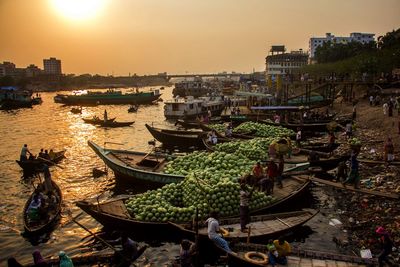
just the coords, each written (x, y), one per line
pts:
(177, 36)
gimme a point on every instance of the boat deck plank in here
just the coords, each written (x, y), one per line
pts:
(351, 188)
(117, 208)
(294, 261)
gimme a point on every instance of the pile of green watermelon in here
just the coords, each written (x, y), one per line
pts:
(211, 183)
(263, 130)
(255, 149)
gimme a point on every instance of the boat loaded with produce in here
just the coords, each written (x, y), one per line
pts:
(211, 182)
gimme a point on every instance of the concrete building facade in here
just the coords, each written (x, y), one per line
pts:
(52, 66)
(282, 63)
(316, 42)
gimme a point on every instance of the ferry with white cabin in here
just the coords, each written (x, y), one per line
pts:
(190, 107)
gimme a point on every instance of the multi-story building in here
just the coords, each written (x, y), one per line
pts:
(280, 63)
(316, 42)
(52, 66)
(7, 69)
(32, 71)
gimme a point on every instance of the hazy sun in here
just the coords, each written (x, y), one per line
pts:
(78, 9)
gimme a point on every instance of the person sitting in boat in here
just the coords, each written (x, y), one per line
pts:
(24, 152)
(41, 153)
(213, 231)
(272, 252)
(31, 157)
(228, 130)
(212, 138)
(52, 155)
(130, 250)
(33, 210)
(283, 248)
(46, 155)
(186, 253)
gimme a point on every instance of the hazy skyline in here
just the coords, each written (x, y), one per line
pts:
(178, 36)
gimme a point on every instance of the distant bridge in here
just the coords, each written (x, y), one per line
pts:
(170, 76)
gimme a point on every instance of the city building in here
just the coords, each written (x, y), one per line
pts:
(280, 63)
(7, 69)
(32, 71)
(52, 66)
(316, 42)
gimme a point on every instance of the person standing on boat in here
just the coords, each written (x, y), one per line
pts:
(272, 173)
(105, 116)
(24, 152)
(258, 173)
(387, 246)
(48, 183)
(214, 231)
(245, 196)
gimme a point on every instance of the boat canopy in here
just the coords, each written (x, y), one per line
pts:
(294, 108)
(254, 94)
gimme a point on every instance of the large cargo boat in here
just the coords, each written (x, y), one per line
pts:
(108, 97)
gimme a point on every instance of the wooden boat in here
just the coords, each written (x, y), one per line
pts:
(188, 124)
(96, 120)
(329, 163)
(115, 124)
(174, 138)
(352, 188)
(35, 165)
(255, 255)
(321, 147)
(76, 110)
(378, 162)
(136, 167)
(113, 213)
(111, 97)
(43, 225)
(261, 227)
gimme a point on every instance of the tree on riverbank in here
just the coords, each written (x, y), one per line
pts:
(356, 59)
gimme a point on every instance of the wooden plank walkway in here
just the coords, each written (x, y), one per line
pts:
(307, 262)
(351, 188)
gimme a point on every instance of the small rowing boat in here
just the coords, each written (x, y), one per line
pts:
(47, 219)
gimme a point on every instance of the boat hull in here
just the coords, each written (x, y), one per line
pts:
(174, 139)
(50, 224)
(92, 99)
(131, 175)
(141, 230)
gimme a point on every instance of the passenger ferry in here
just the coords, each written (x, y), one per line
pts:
(190, 107)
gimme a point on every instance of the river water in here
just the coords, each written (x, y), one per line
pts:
(52, 125)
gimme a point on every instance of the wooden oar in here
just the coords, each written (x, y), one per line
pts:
(52, 162)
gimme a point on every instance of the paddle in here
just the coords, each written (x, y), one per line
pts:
(140, 251)
(52, 162)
